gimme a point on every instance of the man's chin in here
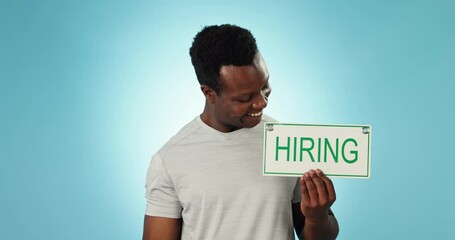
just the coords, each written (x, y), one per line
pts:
(251, 122)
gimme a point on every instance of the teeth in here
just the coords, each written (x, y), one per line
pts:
(255, 114)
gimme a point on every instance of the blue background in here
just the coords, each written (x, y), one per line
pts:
(91, 89)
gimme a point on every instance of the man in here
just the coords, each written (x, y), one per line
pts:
(206, 181)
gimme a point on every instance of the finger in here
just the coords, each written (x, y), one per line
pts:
(320, 187)
(304, 190)
(312, 190)
(329, 185)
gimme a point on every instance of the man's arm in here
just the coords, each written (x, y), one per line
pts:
(313, 218)
(160, 228)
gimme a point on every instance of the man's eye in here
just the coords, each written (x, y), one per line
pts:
(247, 99)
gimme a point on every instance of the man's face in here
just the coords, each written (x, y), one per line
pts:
(243, 95)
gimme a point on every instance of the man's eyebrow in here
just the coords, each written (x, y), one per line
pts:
(249, 93)
(242, 95)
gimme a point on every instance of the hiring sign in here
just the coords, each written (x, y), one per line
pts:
(338, 150)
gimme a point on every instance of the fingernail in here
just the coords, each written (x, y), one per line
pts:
(311, 173)
(318, 171)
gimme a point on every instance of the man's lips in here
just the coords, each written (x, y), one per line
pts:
(258, 114)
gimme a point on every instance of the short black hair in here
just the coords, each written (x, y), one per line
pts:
(216, 46)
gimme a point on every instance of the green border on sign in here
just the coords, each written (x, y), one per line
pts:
(320, 125)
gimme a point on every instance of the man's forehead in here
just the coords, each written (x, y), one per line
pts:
(258, 63)
(242, 79)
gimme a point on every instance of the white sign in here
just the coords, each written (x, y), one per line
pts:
(338, 150)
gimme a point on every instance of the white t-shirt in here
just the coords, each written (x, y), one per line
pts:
(214, 182)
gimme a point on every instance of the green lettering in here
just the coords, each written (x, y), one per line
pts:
(327, 146)
(355, 153)
(282, 148)
(319, 149)
(295, 148)
(308, 149)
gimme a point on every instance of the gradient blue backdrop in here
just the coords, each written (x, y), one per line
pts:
(91, 89)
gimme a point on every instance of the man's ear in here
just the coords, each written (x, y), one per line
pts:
(209, 93)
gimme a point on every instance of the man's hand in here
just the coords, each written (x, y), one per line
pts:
(318, 194)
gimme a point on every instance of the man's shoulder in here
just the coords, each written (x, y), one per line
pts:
(184, 134)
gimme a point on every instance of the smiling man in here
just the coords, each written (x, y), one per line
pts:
(206, 182)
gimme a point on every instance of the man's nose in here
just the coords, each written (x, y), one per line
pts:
(261, 102)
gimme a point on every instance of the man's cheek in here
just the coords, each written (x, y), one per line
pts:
(239, 111)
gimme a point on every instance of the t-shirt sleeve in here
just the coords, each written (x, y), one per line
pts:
(162, 200)
(297, 193)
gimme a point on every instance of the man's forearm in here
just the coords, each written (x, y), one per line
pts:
(324, 230)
